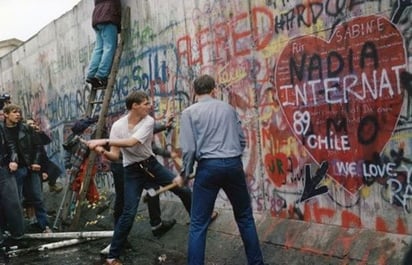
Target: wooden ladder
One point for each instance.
(93, 102)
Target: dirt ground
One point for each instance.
(145, 250)
(223, 246)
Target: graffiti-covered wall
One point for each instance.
(322, 88)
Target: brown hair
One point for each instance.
(11, 107)
(204, 84)
(135, 96)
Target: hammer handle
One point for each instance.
(166, 188)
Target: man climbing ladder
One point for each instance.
(106, 22)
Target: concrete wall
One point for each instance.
(8, 45)
(318, 85)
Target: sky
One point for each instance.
(21, 19)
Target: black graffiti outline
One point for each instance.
(311, 187)
(399, 7)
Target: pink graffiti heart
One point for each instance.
(342, 97)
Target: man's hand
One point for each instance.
(35, 167)
(36, 128)
(169, 120)
(13, 166)
(99, 149)
(174, 155)
(92, 144)
(179, 181)
(44, 176)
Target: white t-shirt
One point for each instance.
(143, 132)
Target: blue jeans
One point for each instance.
(10, 207)
(153, 203)
(211, 176)
(30, 188)
(103, 52)
(135, 180)
(117, 170)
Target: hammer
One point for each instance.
(152, 192)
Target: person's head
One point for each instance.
(32, 123)
(5, 99)
(12, 114)
(138, 101)
(81, 125)
(204, 84)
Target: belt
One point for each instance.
(146, 161)
(221, 158)
(144, 165)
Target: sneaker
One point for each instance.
(106, 250)
(47, 230)
(101, 83)
(55, 188)
(113, 262)
(163, 228)
(92, 81)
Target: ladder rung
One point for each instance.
(96, 102)
(99, 88)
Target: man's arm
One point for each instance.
(188, 144)
(11, 149)
(112, 155)
(242, 137)
(37, 147)
(129, 142)
(159, 127)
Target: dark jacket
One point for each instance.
(107, 11)
(5, 148)
(47, 166)
(44, 140)
(28, 145)
(157, 150)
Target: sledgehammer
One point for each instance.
(152, 192)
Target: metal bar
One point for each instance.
(84, 234)
(48, 246)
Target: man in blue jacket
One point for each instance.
(211, 135)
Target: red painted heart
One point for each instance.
(342, 97)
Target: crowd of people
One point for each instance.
(24, 167)
(214, 142)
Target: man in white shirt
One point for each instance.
(132, 135)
